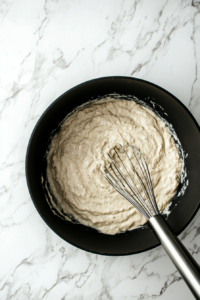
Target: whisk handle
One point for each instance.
(182, 259)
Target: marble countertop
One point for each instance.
(47, 47)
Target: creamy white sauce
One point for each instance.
(75, 185)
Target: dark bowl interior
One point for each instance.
(138, 240)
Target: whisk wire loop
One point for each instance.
(147, 178)
(127, 187)
(135, 191)
(123, 192)
(145, 190)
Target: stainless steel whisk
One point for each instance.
(145, 202)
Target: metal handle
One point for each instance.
(182, 259)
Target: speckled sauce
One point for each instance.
(75, 184)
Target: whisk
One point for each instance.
(145, 202)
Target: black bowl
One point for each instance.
(138, 240)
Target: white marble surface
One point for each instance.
(47, 47)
